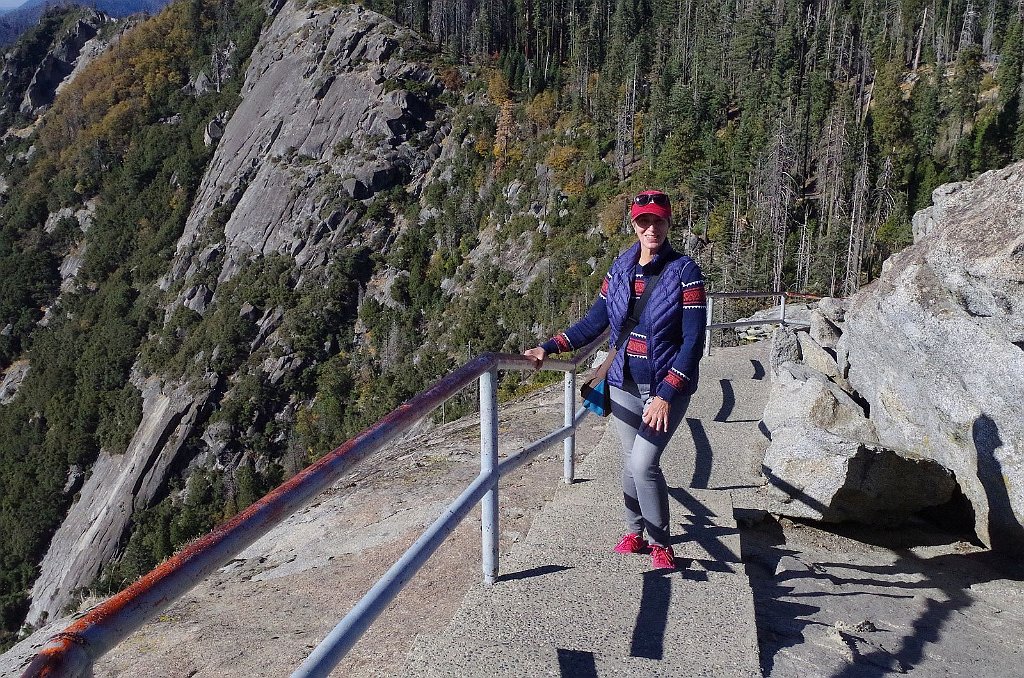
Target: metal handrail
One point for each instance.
(748, 294)
(72, 652)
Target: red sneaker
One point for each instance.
(662, 558)
(632, 543)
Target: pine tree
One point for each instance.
(964, 104)
(890, 124)
(924, 116)
(1008, 75)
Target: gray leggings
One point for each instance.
(644, 491)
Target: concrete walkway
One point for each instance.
(567, 605)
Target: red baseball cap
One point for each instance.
(651, 202)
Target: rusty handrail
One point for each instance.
(73, 651)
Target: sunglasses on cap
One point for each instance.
(647, 198)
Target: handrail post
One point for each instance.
(782, 308)
(710, 321)
(489, 466)
(569, 444)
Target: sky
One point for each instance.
(8, 4)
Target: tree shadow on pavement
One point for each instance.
(780, 622)
(952, 574)
(784, 581)
(704, 530)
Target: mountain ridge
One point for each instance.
(15, 21)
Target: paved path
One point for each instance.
(566, 605)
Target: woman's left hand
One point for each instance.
(656, 414)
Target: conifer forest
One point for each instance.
(797, 138)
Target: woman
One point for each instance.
(655, 370)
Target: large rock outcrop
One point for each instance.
(936, 346)
(826, 459)
(915, 381)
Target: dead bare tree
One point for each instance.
(732, 263)
(988, 35)
(883, 204)
(920, 39)
(832, 188)
(773, 195)
(858, 212)
(579, 55)
(830, 177)
(967, 29)
(803, 256)
(625, 132)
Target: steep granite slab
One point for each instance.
(118, 486)
(320, 125)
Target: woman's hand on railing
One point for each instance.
(536, 355)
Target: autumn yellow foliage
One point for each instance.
(95, 115)
(497, 88)
(566, 162)
(542, 111)
(504, 147)
(613, 215)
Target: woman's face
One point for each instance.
(651, 230)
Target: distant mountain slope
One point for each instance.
(16, 21)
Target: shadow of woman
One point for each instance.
(1004, 530)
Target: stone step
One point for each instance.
(566, 605)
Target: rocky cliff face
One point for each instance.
(324, 120)
(117, 486)
(58, 64)
(333, 112)
(925, 365)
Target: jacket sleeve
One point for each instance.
(694, 316)
(587, 329)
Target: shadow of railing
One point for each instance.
(702, 460)
(728, 400)
(576, 664)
